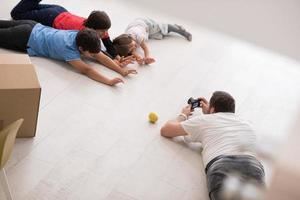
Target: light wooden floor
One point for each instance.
(94, 141)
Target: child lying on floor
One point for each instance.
(39, 40)
(139, 31)
(59, 17)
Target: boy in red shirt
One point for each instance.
(58, 17)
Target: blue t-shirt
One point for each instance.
(45, 41)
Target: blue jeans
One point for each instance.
(218, 169)
(32, 10)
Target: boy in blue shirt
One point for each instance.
(40, 40)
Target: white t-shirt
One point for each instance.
(138, 30)
(220, 134)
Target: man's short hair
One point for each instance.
(222, 102)
(88, 40)
(98, 20)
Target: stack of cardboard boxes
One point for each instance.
(20, 93)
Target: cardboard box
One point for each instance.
(20, 93)
(10, 58)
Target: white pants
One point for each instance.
(156, 30)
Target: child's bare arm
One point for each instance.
(108, 62)
(147, 58)
(138, 58)
(145, 49)
(93, 74)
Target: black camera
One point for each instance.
(194, 103)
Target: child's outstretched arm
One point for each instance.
(147, 59)
(108, 62)
(138, 58)
(93, 74)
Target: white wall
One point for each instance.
(271, 24)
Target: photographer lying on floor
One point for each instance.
(227, 140)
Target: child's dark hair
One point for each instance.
(88, 40)
(97, 20)
(122, 44)
(222, 102)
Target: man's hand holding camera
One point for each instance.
(187, 110)
(204, 105)
(200, 102)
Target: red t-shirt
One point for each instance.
(68, 21)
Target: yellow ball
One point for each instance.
(152, 117)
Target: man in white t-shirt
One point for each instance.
(227, 140)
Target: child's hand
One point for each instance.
(127, 71)
(130, 59)
(148, 60)
(139, 59)
(115, 81)
(124, 61)
(119, 63)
